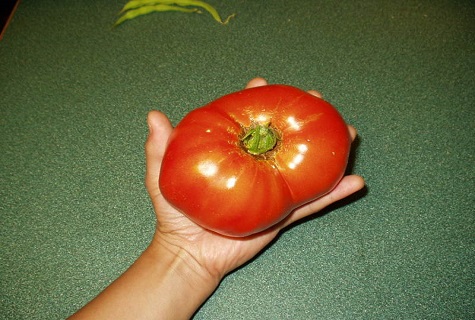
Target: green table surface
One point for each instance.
(74, 95)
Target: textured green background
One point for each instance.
(74, 94)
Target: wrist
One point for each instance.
(182, 267)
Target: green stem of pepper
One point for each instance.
(259, 139)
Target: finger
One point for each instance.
(256, 82)
(160, 129)
(347, 186)
(353, 132)
(315, 93)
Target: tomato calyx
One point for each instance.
(259, 139)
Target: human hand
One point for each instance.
(184, 263)
(211, 255)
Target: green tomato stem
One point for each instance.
(259, 139)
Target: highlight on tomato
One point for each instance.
(245, 161)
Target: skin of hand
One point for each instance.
(185, 263)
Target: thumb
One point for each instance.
(160, 129)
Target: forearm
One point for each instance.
(162, 284)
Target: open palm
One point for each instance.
(216, 253)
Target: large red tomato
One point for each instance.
(243, 162)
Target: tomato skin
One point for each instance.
(207, 174)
